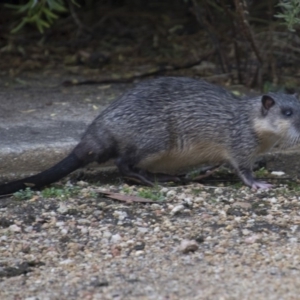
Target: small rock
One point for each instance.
(156, 229)
(142, 229)
(164, 190)
(82, 183)
(220, 250)
(63, 209)
(139, 246)
(83, 221)
(75, 246)
(66, 262)
(245, 205)
(278, 256)
(115, 238)
(188, 201)
(102, 205)
(120, 215)
(187, 246)
(107, 234)
(116, 250)
(218, 191)
(84, 230)
(59, 223)
(171, 193)
(277, 173)
(14, 228)
(177, 209)
(246, 232)
(273, 200)
(97, 213)
(252, 239)
(28, 229)
(64, 231)
(155, 206)
(198, 199)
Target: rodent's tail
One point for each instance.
(58, 171)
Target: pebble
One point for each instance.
(120, 215)
(66, 262)
(252, 239)
(164, 190)
(156, 229)
(246, 232)
(116, 238)
(273, 200)
(62, 209)
(83, 221)
(177, 209)
(277, 173)
(15, 228)
(245, 205)
(107, 234)
(155, 206)
(171, 193)
(188, 246)
(142, 229)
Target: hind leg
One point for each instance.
(161, 177)
(206, 173)
(129, 171)
(142, 176)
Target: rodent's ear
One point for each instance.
(267, 102)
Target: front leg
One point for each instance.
(245, 173)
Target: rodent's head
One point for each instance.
(279, 120)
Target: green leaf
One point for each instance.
(18, 27)
(44, 23)
(58, 7)
(49, 13)
(40, 27)
(34, 3)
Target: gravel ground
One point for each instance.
(193, 242)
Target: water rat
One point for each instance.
(166, 125)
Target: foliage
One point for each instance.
(24, 195)
(151, 193)
(291, 13)
(52, 192)
(41, 13)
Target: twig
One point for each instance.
(241, 8)
(80, 25)
(211, 35)
(271, 44)
(232, 16)
(151, 72)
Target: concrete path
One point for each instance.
(40, 120)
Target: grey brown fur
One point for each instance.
(172, 124)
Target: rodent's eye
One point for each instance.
(287, 112)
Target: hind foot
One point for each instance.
(147, 178)
(206, 173)
(142, 176)
(261, 185)
(247, 177)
